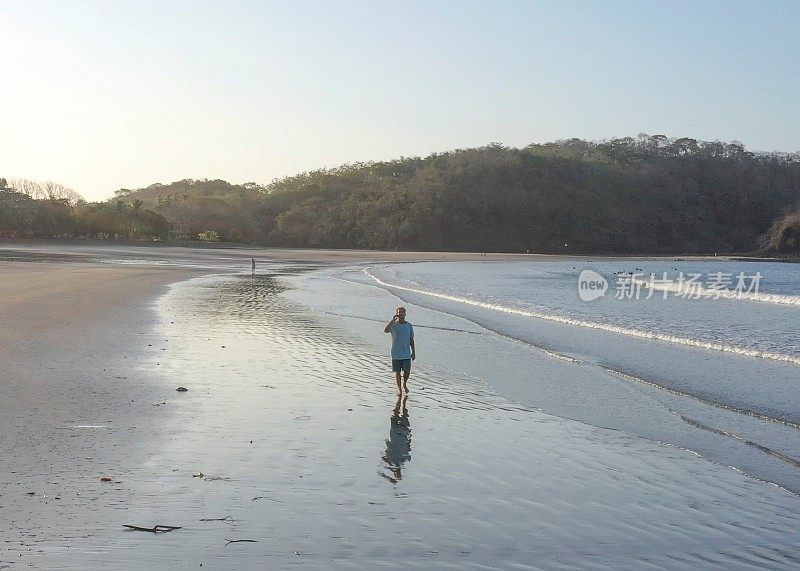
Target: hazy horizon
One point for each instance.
(102, 96)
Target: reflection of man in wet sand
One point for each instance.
(398, 445)
(403, 351)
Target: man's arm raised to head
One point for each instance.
(388, 328)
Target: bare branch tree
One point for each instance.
(47, 190)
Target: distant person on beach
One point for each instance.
(403, 351)
(253, 265)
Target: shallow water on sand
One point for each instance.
(291, 430)
(711, 375)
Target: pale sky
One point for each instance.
(121, 94)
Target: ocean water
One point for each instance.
(708, 363)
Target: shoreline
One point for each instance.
(290, 429)
(553, 367)
(328, 255)
(308, 419)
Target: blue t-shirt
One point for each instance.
(402, 334)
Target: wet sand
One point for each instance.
(73, 406)
(291, 437)
(243, 254)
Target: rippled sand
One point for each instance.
(304, 447)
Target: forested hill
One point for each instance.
(623, 196)
(645, 195)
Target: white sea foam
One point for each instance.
(679, 288)
(617, 329)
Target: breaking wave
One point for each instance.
(589, 324)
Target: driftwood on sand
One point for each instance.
(154, 529)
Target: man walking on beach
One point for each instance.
(403, 351)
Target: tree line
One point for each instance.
(30, 209)
(649, 194)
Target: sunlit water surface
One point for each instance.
(292, 420)
(717, 375)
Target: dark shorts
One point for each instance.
(401, 365)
